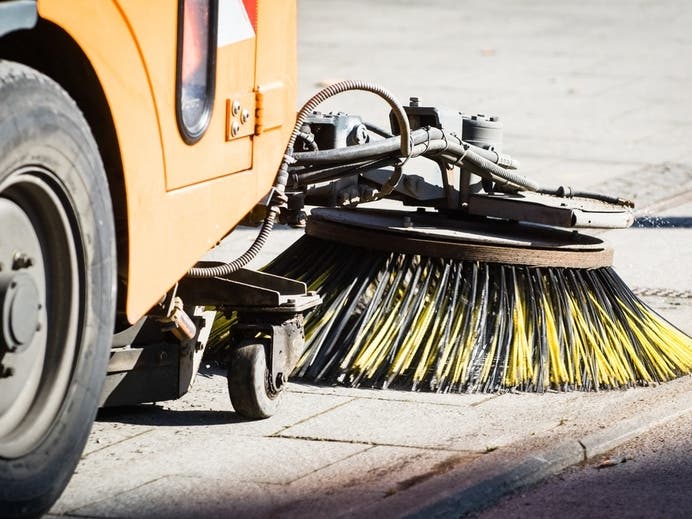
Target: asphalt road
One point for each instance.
(647, 477)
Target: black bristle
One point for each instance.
(421, 323)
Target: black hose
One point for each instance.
(304, 178)
(378, 130)
(425, 141)
(568, 192)
(461, 152)
(499, 174)
(366, 151)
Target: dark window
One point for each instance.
(196, 63)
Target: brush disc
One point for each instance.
(436, 235)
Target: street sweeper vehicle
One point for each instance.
(134, 136)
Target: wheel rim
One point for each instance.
(42, 272)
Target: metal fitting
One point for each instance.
(359, 135)
(179, 323)
(21, 261)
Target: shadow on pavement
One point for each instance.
(158, 415)
(663, 222)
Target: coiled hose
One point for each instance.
(277, 196)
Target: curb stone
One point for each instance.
(441, 503)
(531, 470)
(606, 440)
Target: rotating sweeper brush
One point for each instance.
(485, 286)
(471, 307)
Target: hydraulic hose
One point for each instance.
(277, 196)
(427, 136)
(309, 140)
(425, 142)
(568, 192)
(498, 173)
(378, 130)
(350, 153)
(304, 178)
(345, 86)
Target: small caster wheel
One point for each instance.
(248, 382)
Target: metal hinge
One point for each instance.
(269, 106)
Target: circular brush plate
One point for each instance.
(437, 235)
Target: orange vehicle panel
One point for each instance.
(213, 155)
(182, 199)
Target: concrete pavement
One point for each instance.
(336, 452)
(591, 93)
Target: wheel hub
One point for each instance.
(19, 311)
(22, 345)
(38, 307)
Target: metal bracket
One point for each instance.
(551, 210)
(266, 305)
(269, 103)
(240, 116)
(249, 290)
(286, 343)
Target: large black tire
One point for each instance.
(57, 294)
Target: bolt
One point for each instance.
(414, 101)
(299, 219)
(163, 356)
(407, 222)
(280, 380)
(235, 128)
(359, 135)
(236, 107)
(21, 261)
(244, 116)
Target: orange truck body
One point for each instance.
(158, 125)
(180, 198)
